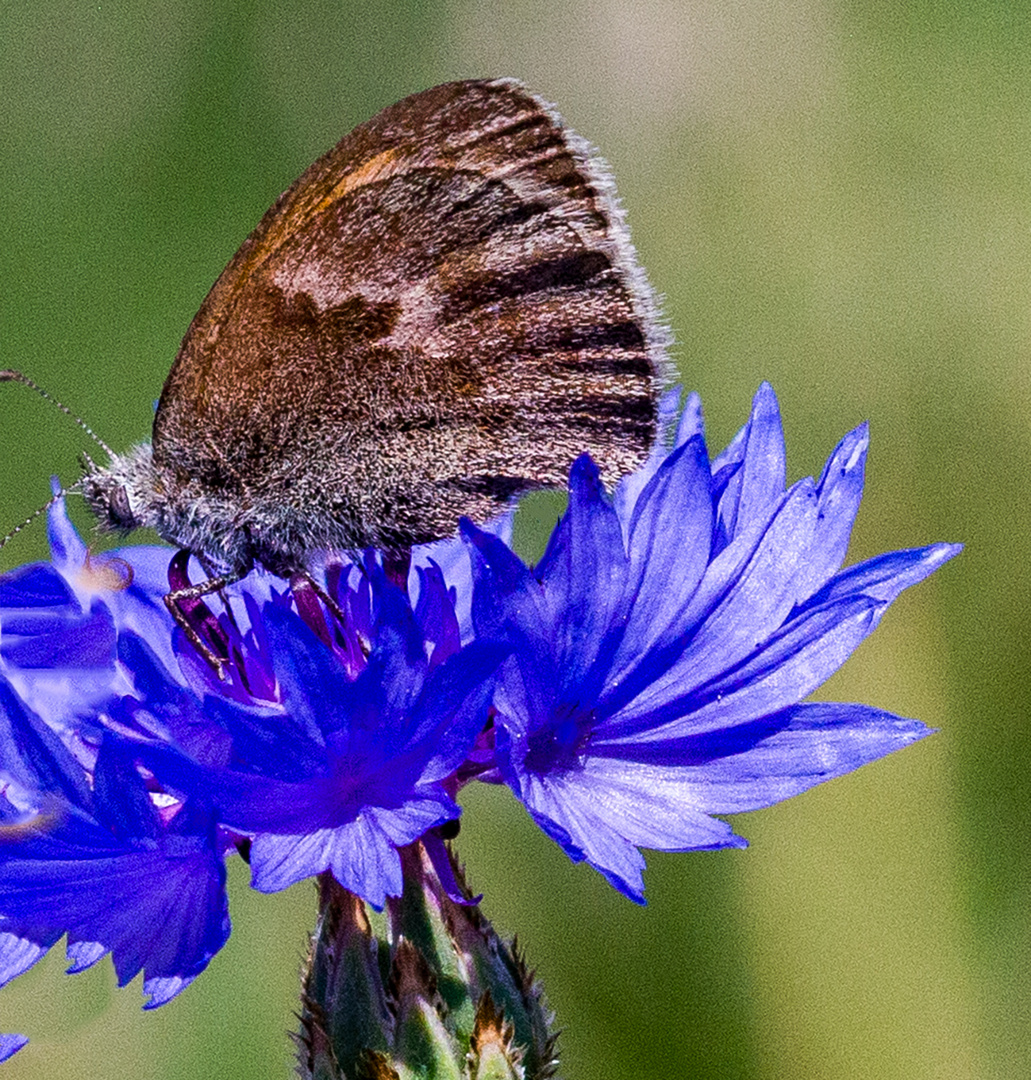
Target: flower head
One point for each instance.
(647, 673)
(340, 769)
(90, 854)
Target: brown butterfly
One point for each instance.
(443, 312)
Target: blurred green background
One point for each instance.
(832, 196)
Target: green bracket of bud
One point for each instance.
(425, 989)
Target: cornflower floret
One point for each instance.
(91, 853)
(662, 646)
(343, 769)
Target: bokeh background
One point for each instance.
(833, 196)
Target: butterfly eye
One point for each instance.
(119, 509)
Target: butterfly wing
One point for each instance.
(442, 312)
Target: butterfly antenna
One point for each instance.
(17, 376)
(37, 513)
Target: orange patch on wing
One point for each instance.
(381, 167)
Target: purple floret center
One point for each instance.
(560, 744)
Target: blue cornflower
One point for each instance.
(664, 642)
(646, 674)
(85, 848)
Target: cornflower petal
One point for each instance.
(758, 466)
(674, 426)
(754, 765)
(606, 810)
(10, 1045)
(129, 587)
(450, 558)
(582, 571)
(677, 502)
(839, 492)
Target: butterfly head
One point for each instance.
(121, 494)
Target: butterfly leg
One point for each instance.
(183, 601)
